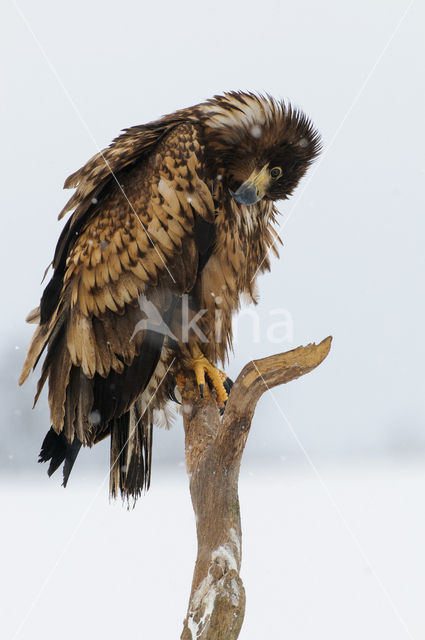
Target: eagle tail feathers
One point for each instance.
(131, 453)
(57, 449)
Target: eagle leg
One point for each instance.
(203, 368)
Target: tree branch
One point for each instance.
(214, 450)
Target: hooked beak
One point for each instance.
(253, 189)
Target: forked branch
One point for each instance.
(214, 448)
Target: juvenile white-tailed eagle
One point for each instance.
(176, 215)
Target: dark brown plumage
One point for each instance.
(177, 214)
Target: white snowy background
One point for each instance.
(333, 479)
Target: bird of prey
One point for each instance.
(171, 225)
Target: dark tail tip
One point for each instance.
(57, 449)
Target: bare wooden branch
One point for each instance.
(214, 448)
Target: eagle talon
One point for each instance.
(205, 371)
(228, 384)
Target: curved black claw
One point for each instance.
(227, 384)
(173, 394)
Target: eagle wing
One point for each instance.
(140, 230)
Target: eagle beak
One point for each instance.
(253, 189)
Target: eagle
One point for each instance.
(170, 227)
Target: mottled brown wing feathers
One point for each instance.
(146, 241)
(128, 147)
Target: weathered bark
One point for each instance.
(214, 448)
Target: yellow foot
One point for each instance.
(203, 367)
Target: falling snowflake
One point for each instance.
(256, 131)
(95, 418)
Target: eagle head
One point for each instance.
(261, 147)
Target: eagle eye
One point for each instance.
(276, 172)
